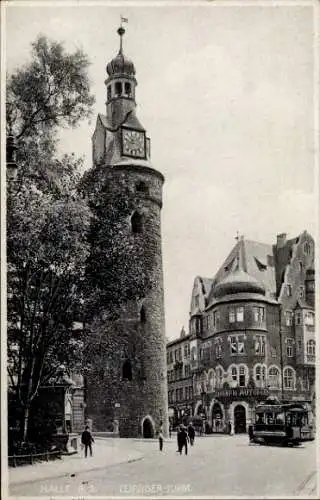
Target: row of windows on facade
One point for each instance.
(238, 376)
(237, 346)
(180, 373)
(119, 89)
(299, 318)
(176, 355)
(180, 394)
(237, 315)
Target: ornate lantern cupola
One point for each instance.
(121, 84)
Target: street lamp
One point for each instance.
(116, 418)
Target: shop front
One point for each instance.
(228, 410)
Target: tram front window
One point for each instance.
(259, 418)
(269, 418)
(280, 419)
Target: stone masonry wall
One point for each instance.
(137, 337)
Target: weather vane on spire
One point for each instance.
(121, 31)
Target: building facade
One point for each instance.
(252, 331)
(133, 390)
(180, 391)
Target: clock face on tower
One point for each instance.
(133, 143)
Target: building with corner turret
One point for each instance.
(133, 393)
(252, 332)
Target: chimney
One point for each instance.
(281, 239)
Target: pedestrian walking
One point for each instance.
(160, 437)
(87, 440)
(182, 440)
(191, 433)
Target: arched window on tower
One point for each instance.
(118, 88)
(127, 89)
(136, 223)
(143, 316)
(127, 370)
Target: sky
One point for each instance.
(226, 93)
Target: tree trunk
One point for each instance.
(26, 414)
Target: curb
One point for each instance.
(99, 467)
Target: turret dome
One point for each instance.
(121, 65)
(238, 282)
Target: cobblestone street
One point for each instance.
(215, 466)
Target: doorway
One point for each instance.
(217, 422)
(147, 428)
(240, 423)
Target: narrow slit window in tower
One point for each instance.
(143, 316)
(127, 370)
(109, 92)
(136, 223)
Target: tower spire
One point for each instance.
(121, 31)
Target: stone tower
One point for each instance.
(134, 393)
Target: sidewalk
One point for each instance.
(106, 452)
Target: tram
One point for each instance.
(286, 424)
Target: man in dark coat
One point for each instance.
(87, 440)
(182, 440)
(191, 433)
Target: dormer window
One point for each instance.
(289, 290)
(260, 265)
(307, 248)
